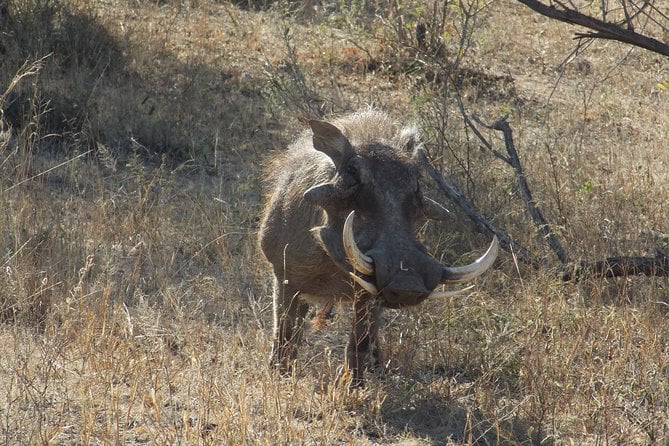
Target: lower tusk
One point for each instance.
(367, 286)
(447, 294)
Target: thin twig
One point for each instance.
(479, 135)
(48, 170)
(502, 124)
(455, 193)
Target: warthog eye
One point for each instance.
(352, 170)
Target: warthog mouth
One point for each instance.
(364, 269)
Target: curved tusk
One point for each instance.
(367, 286)
(447, 294)
(358, 260)
(460, 274)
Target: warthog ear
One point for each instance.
(409, 140)
(330, 140)
(433, 210)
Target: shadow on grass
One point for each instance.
(442, 419)
(99, 87)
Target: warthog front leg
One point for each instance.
(289, 313)
(363, 350)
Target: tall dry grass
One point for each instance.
(134, 306)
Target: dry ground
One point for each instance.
(134, 305)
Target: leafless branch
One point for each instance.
(455, 193)
(501, 124)
(657, 265)
(478, 134)
(600, 29)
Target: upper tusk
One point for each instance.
(367, 286)
(447, 294)
(459, 274)
(358, 260)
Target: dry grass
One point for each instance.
(134, 308)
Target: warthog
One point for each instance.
(340, 224)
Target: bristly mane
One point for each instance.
(364, 128)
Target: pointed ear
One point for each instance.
(409, 140)
(330, 140)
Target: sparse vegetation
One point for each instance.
(134, 307)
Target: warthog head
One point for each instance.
(340, 224)
(375, 193)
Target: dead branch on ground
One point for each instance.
(657, 265)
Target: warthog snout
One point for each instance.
(382, 272)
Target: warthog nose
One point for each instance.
(404, 290)
(400, 298)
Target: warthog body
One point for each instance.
(340, 224)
